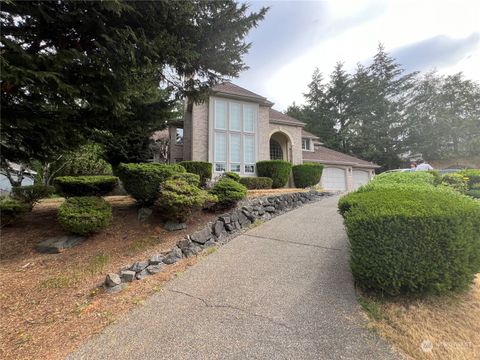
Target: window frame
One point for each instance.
(309, 142)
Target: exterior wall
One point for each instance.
(176, 151)
(187, 136)
(263, 133)
(199, 140)
(294, 133)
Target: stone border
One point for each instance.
(219, 232)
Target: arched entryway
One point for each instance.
(280, 147)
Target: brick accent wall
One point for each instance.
(199, 141)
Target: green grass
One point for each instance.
(371, 307)
(97, 263)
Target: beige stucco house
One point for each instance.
(235, 128)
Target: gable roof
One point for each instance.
(308, 134)
(332, 157)
(228, 88)
(278, 117)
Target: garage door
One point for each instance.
(360, 178)
(334, 179)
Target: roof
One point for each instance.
(332, 157)
(229, 88)
(307, 134)
(277, 116)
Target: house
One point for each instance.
(235, 128)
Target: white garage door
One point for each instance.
(334, 179)
(360, 177)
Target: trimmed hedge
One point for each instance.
(232, 175)
(307, 174)
(11, 210)
(191, 179)
(93, 185)
(31, 194)
(473, 176)
(412, 239)
(456, 181)
(475, 193)
(201, 168)
(277, 170)
(255, 183)
(142, 181)
(84, 215)
(406, 178)
(180, 197)
(228, 192)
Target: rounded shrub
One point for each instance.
(180, 197)
(192, 179)
(93, 185)
(474, 193)
(307, 174)
(201, 168)
(228, 192)
(11, 210)
(473, 176)
(457, 182)
(142, 181)
(31, 194)
(412, 240)
(277, 170)
(84, 215)
(256, 183)
(231, 175)
(407, 178)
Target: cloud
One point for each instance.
(436, 52)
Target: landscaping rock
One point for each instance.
(173, 256)
(225, 218)
(202, 236)
(143, 214)
(210, 243)
(155, 269)
(139, 266)
(142, 274)
(56, 244)
(174, 226)
(156, 259)
(230, 227)
(270, 209)
(127, 275)
(218, 228)
(116, 288)
(112, 280)
(242, 219)
(249, 214)
(188, 247)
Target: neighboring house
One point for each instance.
(235, 128)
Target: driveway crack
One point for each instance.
(294, 242)
(226, 306)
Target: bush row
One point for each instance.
(256, 183)
(412, 239)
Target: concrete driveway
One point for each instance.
(280, 291)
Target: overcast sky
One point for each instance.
(297, 36)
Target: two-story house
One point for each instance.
(235, 128)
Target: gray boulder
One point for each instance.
(56, 244)
(155, 269)
(127, 275)
(112, 280)
(142, 274)
(174, 226)
(156, 259)
(143, 214)
(173, 256)
(218, 228)
(139, 266)
(202, 236)
(116, 288)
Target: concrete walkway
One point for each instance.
(280, 291)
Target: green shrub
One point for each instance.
(255, 183)
(458, 182)
(307, 174)
(475, 193)
(437, 177)
(142, 181)
(228, 192)
(94, 185)
(414, 239)
(11, 210)
(473, 176)
(192, 179)
(31, 194)
(231, 175)
(201, 168)
(86, 160)
(277, 170)
(84, 215)
(179, 198)
(407, 178)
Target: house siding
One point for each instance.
(199, 141)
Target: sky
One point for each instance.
(297, 36)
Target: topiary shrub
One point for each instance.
(31, 194)
(457, 182)
(179, 197)
(192, 179)
(11, 210)
(407, 178)
(473, 176)
(277, 170)
(256, 183)
(201, 168)
(228, 192)
(412, 240)
(437, 178)
(142, 181)
(232, 175)
(307, 174)
(84, 215)
(94, 185)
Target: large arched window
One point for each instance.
(276, 152)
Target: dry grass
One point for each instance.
(433, 328)
(50, 303)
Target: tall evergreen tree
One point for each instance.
(72, 67)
